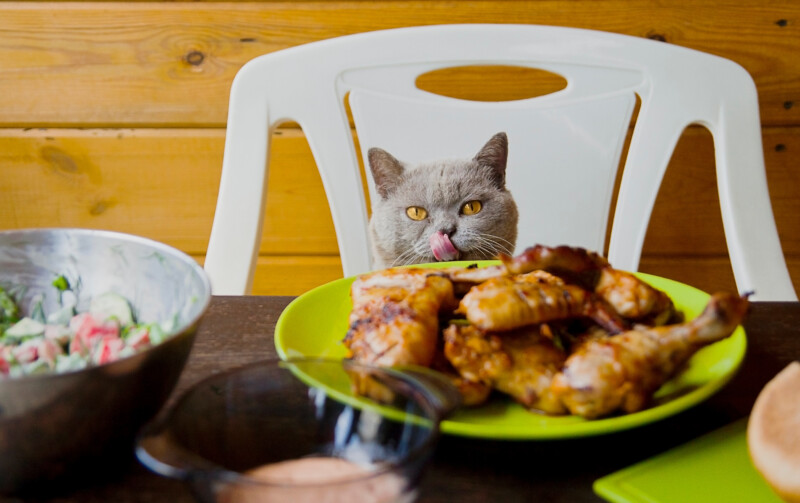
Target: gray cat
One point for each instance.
(442, 210)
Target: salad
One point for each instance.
(66, 340)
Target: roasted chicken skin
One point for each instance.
(472, 392)
(510, 302)
(395, 316)
(577, 265)
(622, 372)
(603, 375)
(395, 321)
(521, 364)
(630, 297)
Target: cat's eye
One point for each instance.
(471, 207)
(416, 213)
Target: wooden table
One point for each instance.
(239, 330)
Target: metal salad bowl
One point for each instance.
(67, 426)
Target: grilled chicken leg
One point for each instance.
(623, 371)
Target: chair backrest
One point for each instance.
(564, 147)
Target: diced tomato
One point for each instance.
(139, 338)
(48, 351)
(108, 349)
(57, 333)
(26, 352)
(88, 331)
(4, 365)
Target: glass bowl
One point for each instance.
(292, 431)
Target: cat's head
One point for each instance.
(442, 210)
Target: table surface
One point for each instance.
(239, 330)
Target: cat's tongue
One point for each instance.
(442, 248)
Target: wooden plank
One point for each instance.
(294, 275)
(162, 183)
(159, 183)
(142, 182)
(687, 219)
(291, 275)
(171, 64)
(710, 274)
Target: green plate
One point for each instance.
(714, 468)
(314, 324)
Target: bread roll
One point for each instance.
(773, 433)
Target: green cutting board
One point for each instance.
(714, 468)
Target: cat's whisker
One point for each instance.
(408, 257)
(491, 245)
(498, 240)
(404, 259)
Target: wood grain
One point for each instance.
(129, 179)
(171, 64)
(160, 183)
(293, 275)
(112, 115)
(236, 331)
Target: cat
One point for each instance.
(442, 210)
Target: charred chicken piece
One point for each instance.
(506, 303)
(630, 297)
(576, 265)
(472, 392)
(464, 278)
(395, 319)
(521, 364)
(623, 371)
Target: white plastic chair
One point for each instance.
(564, 147)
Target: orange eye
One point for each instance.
(471, 207)
(416, 213)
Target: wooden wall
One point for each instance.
(112, 115)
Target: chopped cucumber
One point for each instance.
(26, 327)
(62, 315)
(74, 361)
(36, 367)
(111, 306)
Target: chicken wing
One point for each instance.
(629, 296)
(395, 316)
(506, 303)
(395, 319)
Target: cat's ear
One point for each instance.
(386, 170)
(494, 155)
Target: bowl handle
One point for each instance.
(157, 450)
(437, 388)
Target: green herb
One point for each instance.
(9, 311)
(61, 283)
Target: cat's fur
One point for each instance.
(442, 188)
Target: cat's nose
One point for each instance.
(449, 230)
